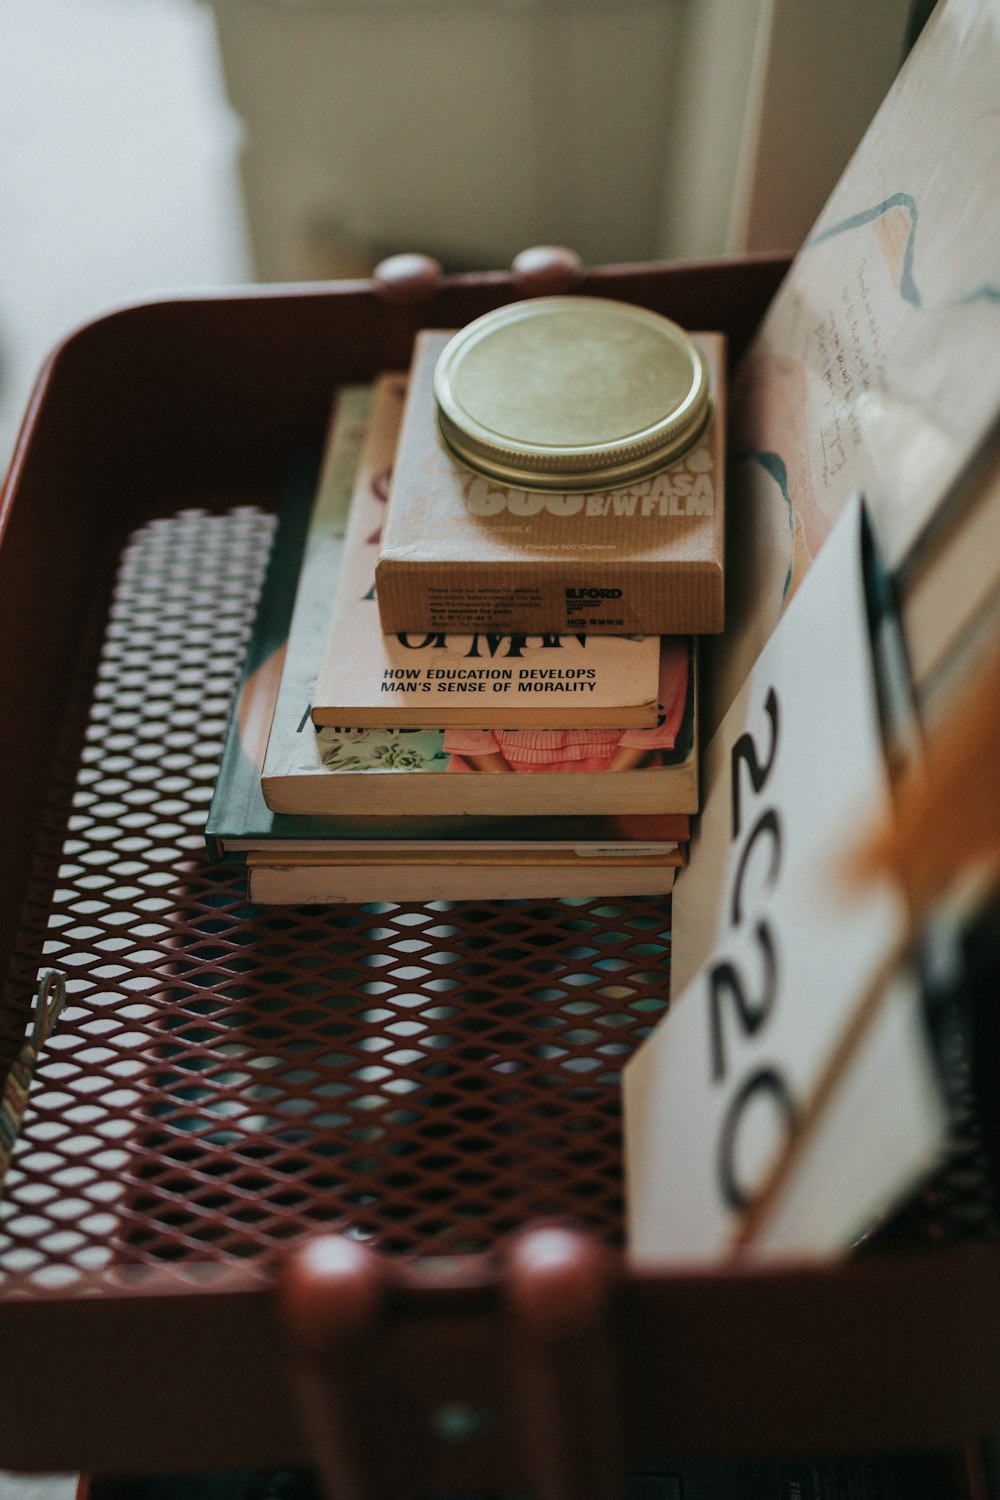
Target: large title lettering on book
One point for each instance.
(434, 679)
(535, 674)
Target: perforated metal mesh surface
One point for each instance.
(224, 1077)
(425, 1077)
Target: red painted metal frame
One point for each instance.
(535, 1357)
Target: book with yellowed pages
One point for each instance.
(503, 772)
(441, 875)
(434, 679)
(949, 593)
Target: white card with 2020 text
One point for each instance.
(794, 776)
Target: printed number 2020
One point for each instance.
(749, 1000)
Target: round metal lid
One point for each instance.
(571, 393)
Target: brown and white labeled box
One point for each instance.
(461, 551)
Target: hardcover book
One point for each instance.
(463, 552)
(434, 679)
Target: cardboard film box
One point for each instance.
(462, 552)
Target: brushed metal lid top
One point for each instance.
(571, 393)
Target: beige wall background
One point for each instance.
(150, 146)
(629, 129)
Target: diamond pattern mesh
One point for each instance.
(424, 1077)
(224, 1077)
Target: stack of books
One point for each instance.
(362, 766)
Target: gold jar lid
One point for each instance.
(571, 393)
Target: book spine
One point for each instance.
(236, 799)
(317, 884)
(432, 854)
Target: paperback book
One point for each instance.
(439, 877)
(521, 772)
(240, 823)
(875, 366)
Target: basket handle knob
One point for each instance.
(547, 270)
(407, 279)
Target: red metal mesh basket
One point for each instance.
(423, 1080)
(225, 1077)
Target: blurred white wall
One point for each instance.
(118, 170)
(468, 129)
(774, 97)
(628, 129)
(153, 145)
